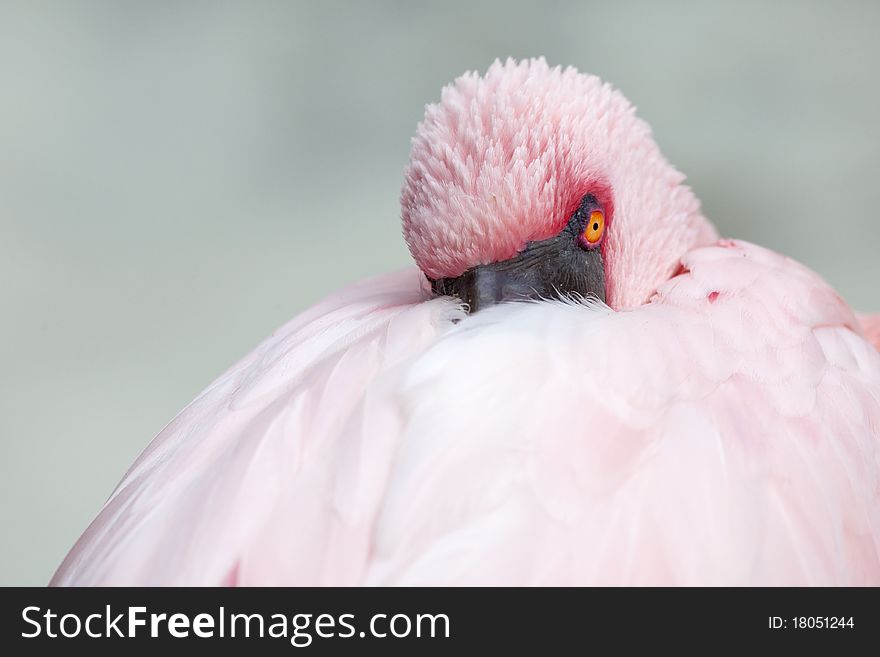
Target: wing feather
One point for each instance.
(239, 487)
(724, 433)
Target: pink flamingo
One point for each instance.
(717, 422)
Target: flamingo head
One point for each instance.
(538, 182)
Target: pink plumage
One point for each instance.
(505, 158)
(717, 422)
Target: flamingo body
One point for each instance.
(724, 433)
(717, 423)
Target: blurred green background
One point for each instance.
(179, 178)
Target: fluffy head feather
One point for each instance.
(504, 159)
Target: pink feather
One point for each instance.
(871, 327)
(688, 441)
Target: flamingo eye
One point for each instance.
(595, 227)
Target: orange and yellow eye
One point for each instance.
(595, 227)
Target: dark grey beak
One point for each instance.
(558, 267)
